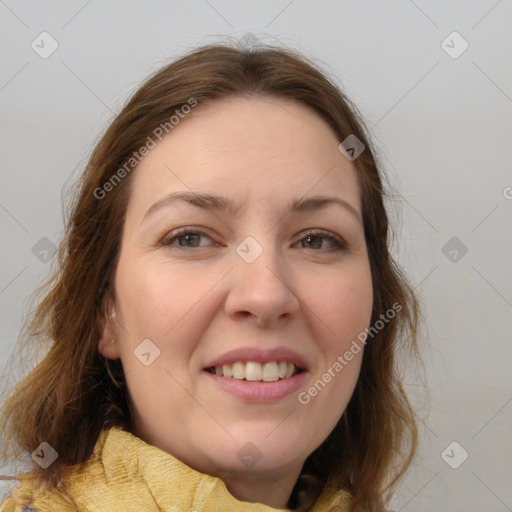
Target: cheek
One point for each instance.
(156, 302)
(341, 313)
(161, 302)
(145, 300)
(342, 304)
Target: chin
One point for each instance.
(251, 463)
(257, 451)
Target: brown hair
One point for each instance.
(74, 393)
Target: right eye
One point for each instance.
(187, 238)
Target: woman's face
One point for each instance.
(256, 277)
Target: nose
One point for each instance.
(262, 291)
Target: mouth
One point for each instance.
(255, 382)
(254, 371)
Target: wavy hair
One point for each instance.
(73, 393)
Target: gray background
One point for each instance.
(443, 126)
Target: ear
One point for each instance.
(107, 328)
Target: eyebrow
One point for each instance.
(219, 203)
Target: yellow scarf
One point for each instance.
(126, 474)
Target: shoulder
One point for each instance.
(22, 494)
(333, 499)
(13, 503)
(27, 498)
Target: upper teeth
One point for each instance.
(251, 370)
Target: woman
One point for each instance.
(225, 318)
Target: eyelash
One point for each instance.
(339, 245)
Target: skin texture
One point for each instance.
(200, 299)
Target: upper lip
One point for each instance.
(261, 356)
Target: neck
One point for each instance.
(271, 488)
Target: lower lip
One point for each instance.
(258, 391)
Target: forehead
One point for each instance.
(262, 148)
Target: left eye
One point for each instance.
(188, 238)
(338, 243)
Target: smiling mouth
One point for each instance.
(253, 371)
